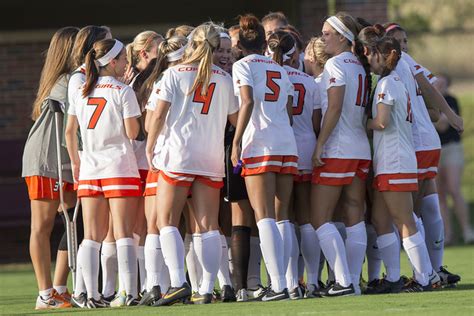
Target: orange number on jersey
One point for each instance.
(204, 99)
(99, 103)
(363, 87)
(410, 113)
(273, 86)
(301, 95)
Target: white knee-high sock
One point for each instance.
(154, 260)
(333, 247)
(356, 246)
(292, 269)
(208, 249)
(419, 225)
(165, 281)
(173, 252)
(108, 259)
(90, 266)
(284, 227)
(271, 244)
(224, 274)
(255, 260)
(193, 267)
(374, 259)
(79, 286)
(434, 229)
(415, 248)
(311, 252)
(390, 252)
(128, 265)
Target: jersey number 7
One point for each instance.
(99, 103)
(204, 99)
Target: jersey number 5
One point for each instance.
(301, 95)
(273, 86)
(99, 103)
(204, 99)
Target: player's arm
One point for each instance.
(245, 112)
(157, 121)
(132, 127)
(70, 135)
(382, 120)
(149, 114)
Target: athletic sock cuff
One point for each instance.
(413, 241)
(264, 222)
(168, 230)
(211, 234)
(244, 229)
(91, 243)
(126, 242)
(355, 228)
(386, 240)
(307, 227)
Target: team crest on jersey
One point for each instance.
(381, 96)
(158, 91)
(332, 80)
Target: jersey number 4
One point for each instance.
(204, 99)
(99, 103)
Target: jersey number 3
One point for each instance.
(204, 99)
(99, 103)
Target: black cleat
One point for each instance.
(174, 295)
(271, 295)
(92, 303)
(257, 293)
(338, 290)
(131, 301)
(108, 299)
(227, 294)
(149, 298)
(448, 279)
(385, 287)
(79, 301)
(197, 298)
(414, 287)
(296, 293)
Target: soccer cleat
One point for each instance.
(271, 296)
(174, 295)
(435, 280)
(413, 287)
(79, 301)
(321, 284)
(257, 293)
(448, 279)
(295, 294)
(227, 294)
(151, 296)
(242, 295)
(338, 290)
(108, 299)
(312, 291)
(52, 302)
(197, 298)
(92, 303)
(131, 301)
(120, 300)
(385, 287)
(66, 296)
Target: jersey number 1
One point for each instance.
(363, 88)
(204, 99)
(99, 103)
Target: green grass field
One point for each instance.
(18, 294)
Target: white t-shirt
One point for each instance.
(107, 151)
(269, 131)
(194, 135)
(306, 99)
(348, 139)
(393, 146)
(425, 136)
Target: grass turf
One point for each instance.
(18, 294)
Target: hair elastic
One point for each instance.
(392, 27)
(286, 56)
(176, 55)
(111, 54)
(340, 28)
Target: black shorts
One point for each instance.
(234, 184)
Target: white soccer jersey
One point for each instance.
(107, 151)
(417, 68)
(269, 131)
(139, 147)
(194, 135)
(393, 146)
(425, 136)
(348, 139)
(306, 99)
(75, 83)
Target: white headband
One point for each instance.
(340, 28)
(224, 35)
(111, 54)
(176, 55)
(286, 56)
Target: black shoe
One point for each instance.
(257, 293)
(448, 279)
(92, 303)
(338, 290)
(385, 287)
(108, 299)
(149, 298)
(321, 284)
(295, 294)
(312, 291)
(271, 295)
(131, 301)
(373, 284)
(79, 301)
(413, 287)
(227, 294)
(174, 295)
(197, 298)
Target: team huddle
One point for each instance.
(196, 154)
